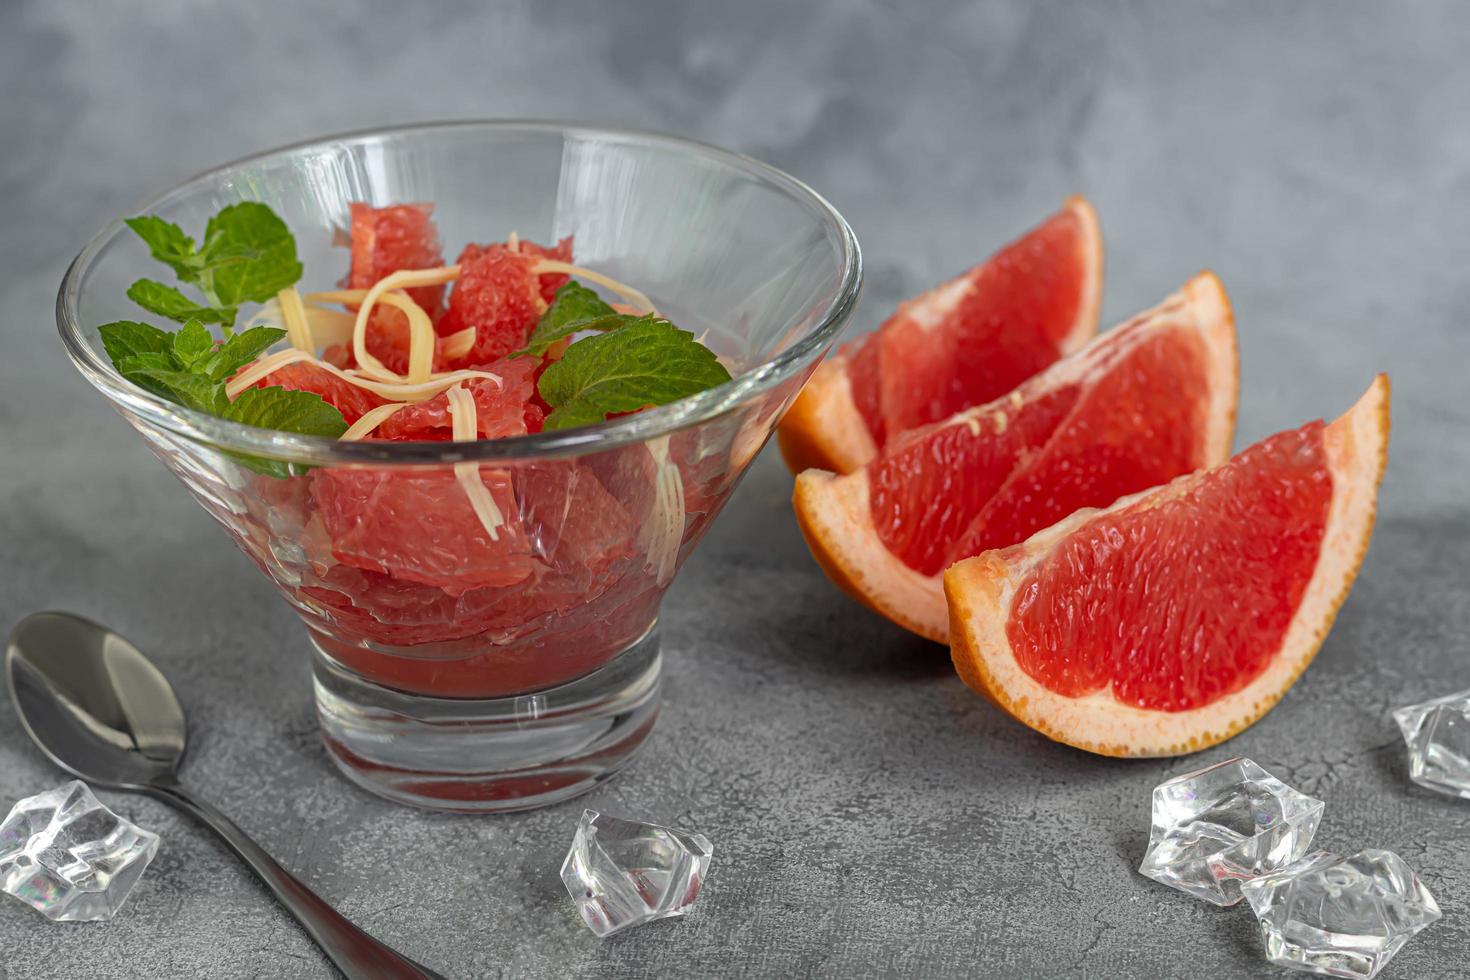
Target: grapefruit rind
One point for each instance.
(831, 509)
(980, 591)
(1090, 307)
(835, 515)
(1209, 305)
(824, 429)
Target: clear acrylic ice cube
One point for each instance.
(69, 857)
(622, 873)
(1216, 827)
(1438, 736)
(1341, 918)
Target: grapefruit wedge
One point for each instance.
(1140, 405)
(963, 343)
(1177, 617)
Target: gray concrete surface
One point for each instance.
(870, 817)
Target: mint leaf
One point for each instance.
(191, 343)
(303, 412)
(574, 301)
(140, 368)
(196, 391)
(167, 301)
(124, 338)
(166, 241)
(159, 361)
(278, 468)
(575, 308)
(240, 350)
(248, 254)
(248, 229)
(647, 362)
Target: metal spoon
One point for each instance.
(101, 710)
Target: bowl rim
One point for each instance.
(646, 425)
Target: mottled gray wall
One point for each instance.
(870, 817)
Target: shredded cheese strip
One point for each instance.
(399, 391)
(513, 242)
(467, 429)
(644, 304)
(663, 532)
(327, 327)
(389, 284)
(420, 334)
(416, 392)
(371, 419)
(269, 364)
(458, 344)
(293, 315)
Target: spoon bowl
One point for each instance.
(93, 702)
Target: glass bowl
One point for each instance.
(450, 670)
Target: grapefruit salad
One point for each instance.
(454, 578)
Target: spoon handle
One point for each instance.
(358, 955)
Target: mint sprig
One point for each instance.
(573, 309)
(187, 366)
(248, 255)
(647, 361)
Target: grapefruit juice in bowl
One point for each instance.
(472, 472)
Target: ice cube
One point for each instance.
(1438, 736)
(622, 873)
(1342, 918)
(69, 857)
(1216, 827)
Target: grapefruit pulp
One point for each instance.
(383, 241)
(1140, 405)
(961, 344)
(499, 295)
(387, 240)
(1177, 617)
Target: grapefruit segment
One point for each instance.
(961, 344)
(499, 295)
(418, 526)
(1140, 405)
(1177, 617)
(390, 239)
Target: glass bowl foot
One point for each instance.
(489, 755)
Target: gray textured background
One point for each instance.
(870, 817)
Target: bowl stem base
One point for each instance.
(494, 754)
